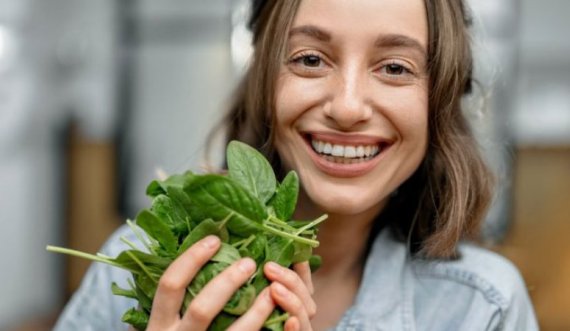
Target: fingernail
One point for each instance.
(210, 241)
(274, 268)
(246, 265)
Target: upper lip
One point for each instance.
(348, 138)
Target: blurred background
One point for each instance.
(96, 95)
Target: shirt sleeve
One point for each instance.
(519, 315)
(93, 307)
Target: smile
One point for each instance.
(345, 156)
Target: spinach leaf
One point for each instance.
(240, 302)
(222, 322)
(251, 170)
(285, 199)
(219, 196)
(171, 214)
(123, 292)
(205, 228)
(255, 249)
(157, 187)
(248, 210)
(158, 230)
(226, 254)
(137, 318)
(280, 250)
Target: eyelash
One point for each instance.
(304, 55)
(297, 60)
(406, 70)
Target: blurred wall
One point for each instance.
(55, 64)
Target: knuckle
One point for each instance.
(169, 283)
(296, 305)
(312, 310)
(235, 275)
(198, 312)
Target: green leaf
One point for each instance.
(226, 254)
(276, 320)
(222, 322)
(251, 170)
(137, 318)
(285, 199)
(145, 291)
(171, 213)
(256, 249)
(123, 292)
(202, 230)
(240, 302)
(207, 273)
(157, 187)
(302, 252)
(158, 230)
(219, 196)
(315, 262)
(280, 250)
(152, 263)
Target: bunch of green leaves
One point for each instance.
(248, 209)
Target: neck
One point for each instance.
(343, 240)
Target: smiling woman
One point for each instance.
(362, 99)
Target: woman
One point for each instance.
(363, 99)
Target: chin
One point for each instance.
(348, 204)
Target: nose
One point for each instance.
(349, 105)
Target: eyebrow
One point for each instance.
(388, 40)
(311, 31)
(398, 40)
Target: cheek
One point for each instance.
(408, 113)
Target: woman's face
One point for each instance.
(352, 100)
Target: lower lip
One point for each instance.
(344, 170)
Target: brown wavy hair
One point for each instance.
(446, 199)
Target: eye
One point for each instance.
(311, 60)
(395, 69)
(308, 60)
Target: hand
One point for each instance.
(165, 315)
(292, 291)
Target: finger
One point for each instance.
(304, 271)
(173, 282)
(292, 324)
(257, 314)
(293, 282)
(213, 297)
(290, 303)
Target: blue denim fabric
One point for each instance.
(479, 291)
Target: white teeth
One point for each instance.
(327, 149)
(349, 152)
(338, 150)
(360, 151)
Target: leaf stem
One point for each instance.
(129, 243)
(143, 267)
(312, 224)
(278, 319)
(138, 234)
(83, 255)
(310, 242)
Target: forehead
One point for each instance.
(365, 19)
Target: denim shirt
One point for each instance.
(479, 291)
